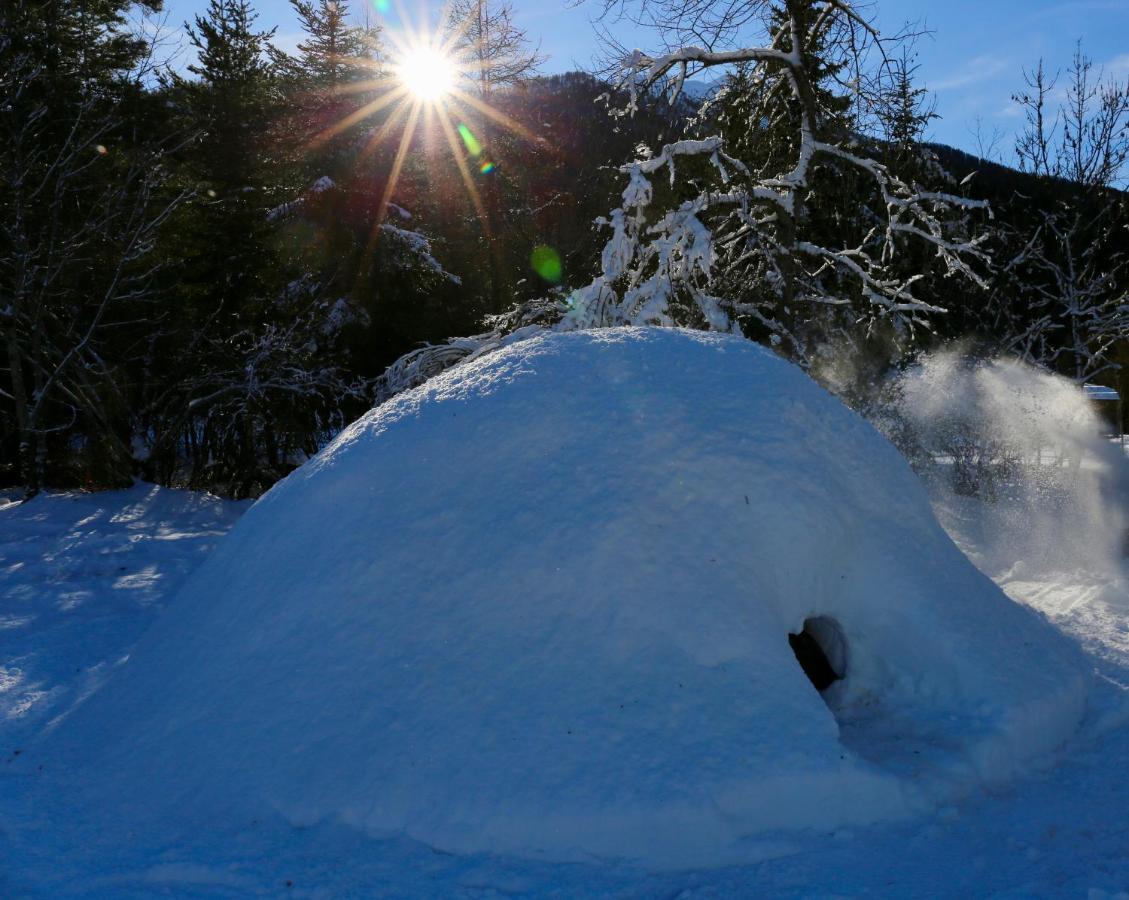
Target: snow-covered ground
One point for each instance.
(1063, 832)
(83, 576)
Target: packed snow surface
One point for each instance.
(81, 577)
(541, 606)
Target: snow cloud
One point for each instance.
(1022, 452)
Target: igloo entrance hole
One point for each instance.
(821, 650)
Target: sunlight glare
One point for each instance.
(427, 73)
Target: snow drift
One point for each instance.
(542, 605)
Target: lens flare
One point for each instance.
(473, 147)
(546, 262)
(427, 73)
(486, 168)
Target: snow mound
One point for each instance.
(542, 605)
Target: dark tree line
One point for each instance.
(204, 274)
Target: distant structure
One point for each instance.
(1106, 403)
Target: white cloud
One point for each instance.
(1118, 67)
(975, 71)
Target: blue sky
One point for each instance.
(973, 60)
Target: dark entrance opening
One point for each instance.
(821, 650)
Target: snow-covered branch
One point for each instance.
(750, 225)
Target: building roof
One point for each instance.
(1099, 392)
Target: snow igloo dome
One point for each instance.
(640, 593)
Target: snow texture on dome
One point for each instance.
(541, 605)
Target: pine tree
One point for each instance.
(906, 113)
(232, 97)
(231, 102)
(761, 113)
(333, 51)
(333, 55)
(764, 115)
(760, 118)
(229, 272)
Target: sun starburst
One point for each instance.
(427, 72)
(429, 85)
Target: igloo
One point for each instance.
(557, 602)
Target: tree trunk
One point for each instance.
(490, 200)
(38, 476)
(25, 462)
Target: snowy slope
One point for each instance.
(541, 605)
(81, 577)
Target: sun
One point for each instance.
(429, 88)
(427, 72)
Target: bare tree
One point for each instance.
(491, 49)
(492, 53)
(987, 143)
(1068, 271)
(240, 420)
(1086, 140)
(1070, 282)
